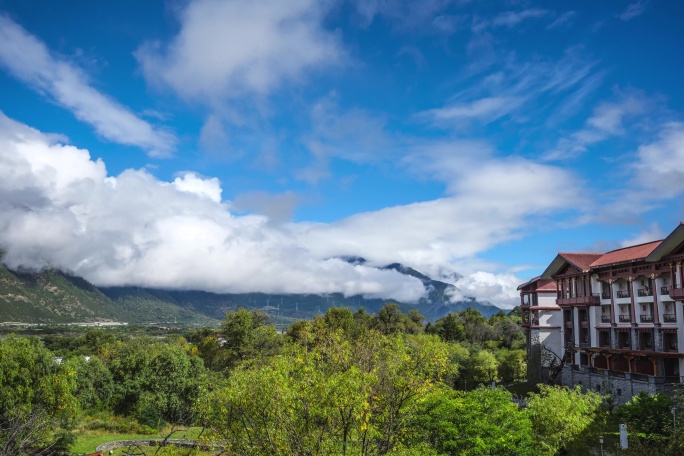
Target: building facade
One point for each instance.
(618, 321)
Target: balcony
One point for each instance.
(676, 293)
(623, 294)
(593, 299)
(670, 318)
(646, 318)
(605, 295)
(641, 292)
(625, 318)
(664, 290)
(605, 318)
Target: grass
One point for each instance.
(87, 441)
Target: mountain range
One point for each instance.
(52, 296)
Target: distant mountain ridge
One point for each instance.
(52, 296)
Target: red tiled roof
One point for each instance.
(546, 285)
(582, 260)
(636, 252)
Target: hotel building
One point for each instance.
(615, 319)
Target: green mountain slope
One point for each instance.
(156, 306)
(53, 297)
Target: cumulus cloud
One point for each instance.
(662, 161)
(59, 208)
(30, 61)
(232, 48)
(488, 287)
(490, 200)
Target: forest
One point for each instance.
(344, 383)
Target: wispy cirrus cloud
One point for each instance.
(606, 121)
(518, 86)
(633, 10)
(29, 60)
(508, 19)
(563, 20)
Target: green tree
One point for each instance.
(480, 422)
(247, 334)
(559, 415)
(37, 405)
(94, 382)
(483, 366)
(512, 365)
(154, 382)
(449, 328)
(650, 414)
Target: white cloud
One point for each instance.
(491, 200)
(509, 19)
(498, 288)
(652, 233)
(606, 121)
(192, 183)
(515, 89)
(59, 208)
(564, 20)
(232, 48)
(485, 109)
(29, 60)
(659, 168)
(633, 10)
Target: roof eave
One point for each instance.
(671, 242)
(554, 267)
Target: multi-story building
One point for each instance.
(542, 321)
(620, 328)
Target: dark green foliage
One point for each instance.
(36, 398)
(94, 382)
(650, 414)
(151, 379)
(248, 334)
(481, 422)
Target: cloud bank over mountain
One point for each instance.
(60, 208)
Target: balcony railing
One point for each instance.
(625, 318)
(605, 295)
(590, 299)
(676, 292)
(645, 292)
(664, 290)
(605, 318)
(670, 318)
(646, 318)
(623, 294)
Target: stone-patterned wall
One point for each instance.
(621, 389)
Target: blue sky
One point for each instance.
(245, 145)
